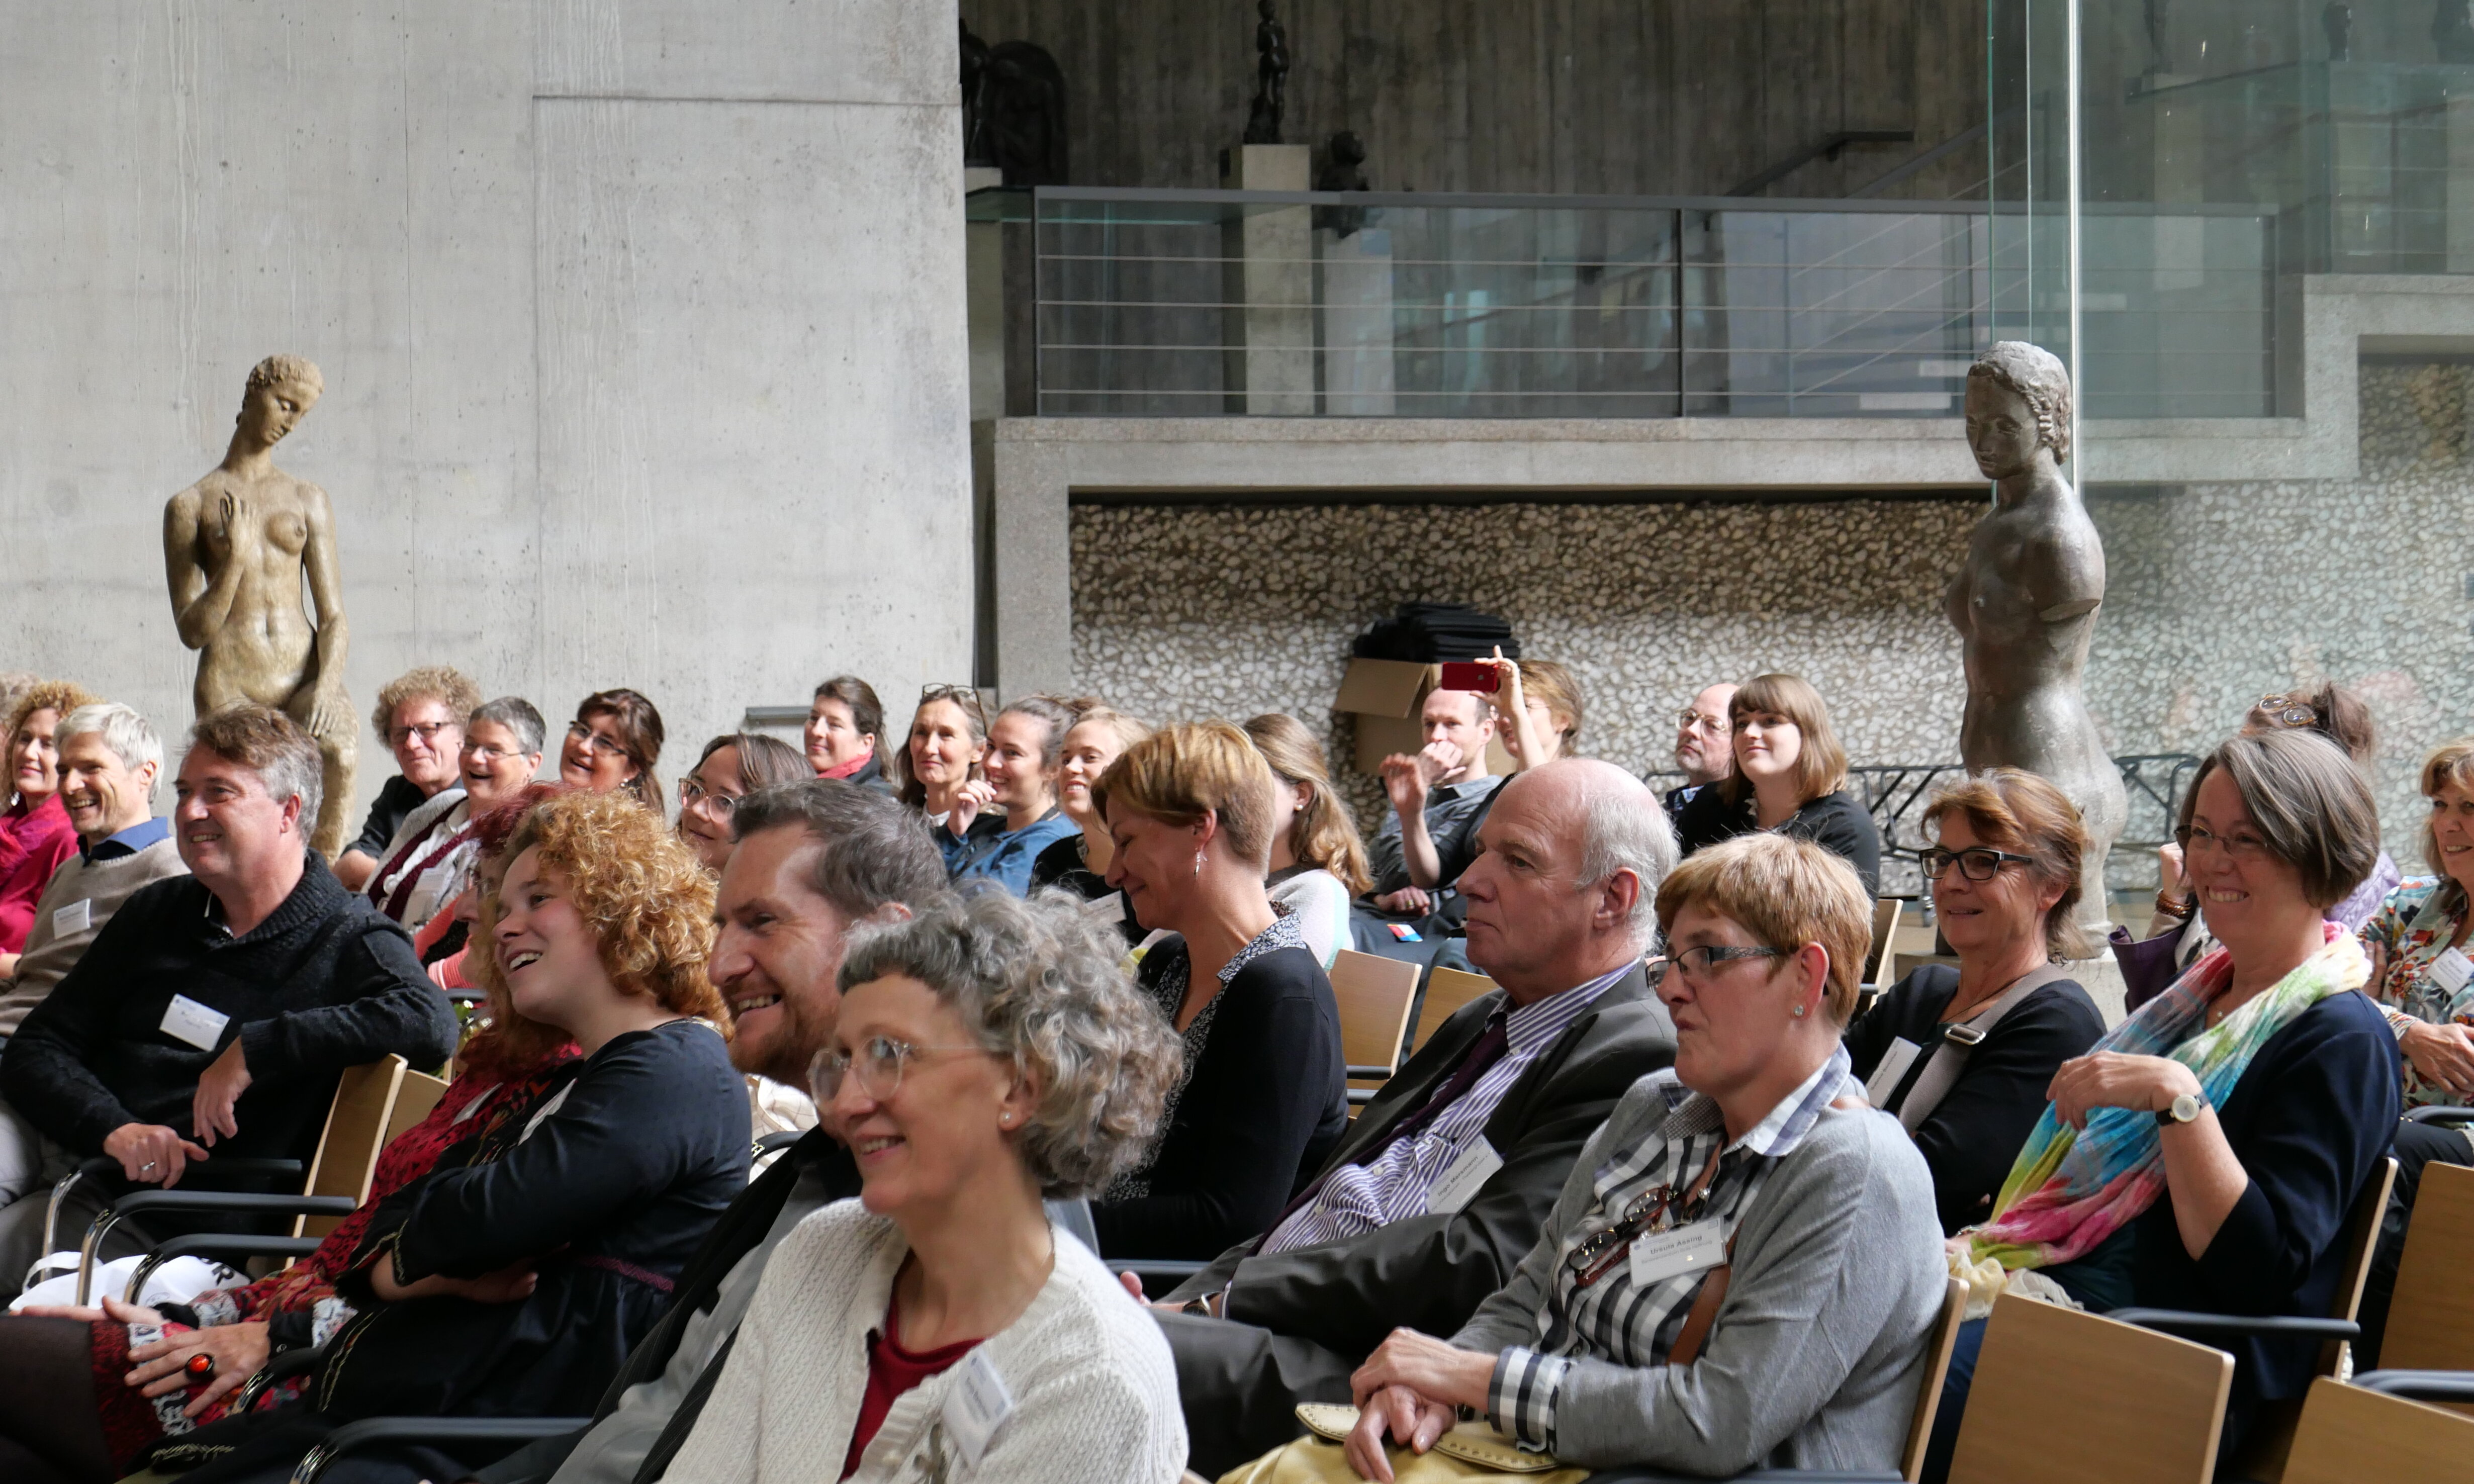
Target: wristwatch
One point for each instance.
(2184, 1109)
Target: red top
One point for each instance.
(892, 1371)
(33, 844)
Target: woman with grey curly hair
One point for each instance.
(988, 1051)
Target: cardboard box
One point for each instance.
(1385, 697)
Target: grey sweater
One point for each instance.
(1818, 1349)
(101, 886)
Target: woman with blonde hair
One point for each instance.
(34, 832)
(1264, 1093)
(1540, 709)
(1962, 1058)
(1079, 863)
(1791, 776)
(1318, 861)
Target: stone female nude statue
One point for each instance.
(2024, 603)
(236, 546)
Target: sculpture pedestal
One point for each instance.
(1271, 368)
(1357, 374)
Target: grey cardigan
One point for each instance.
(1818, 1349)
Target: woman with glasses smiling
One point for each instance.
(428, 863)
(731, 767)
(614, 743)
(1962, 1056)
(986, 1053)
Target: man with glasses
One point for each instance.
(420, 716)
(1441, 1184)
(1705, 746)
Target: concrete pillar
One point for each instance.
(1272, 371)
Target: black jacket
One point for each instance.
(323, 984)
(1972, 1137)
(1834, 821)
(1300, 1321)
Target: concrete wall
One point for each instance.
(641, 322)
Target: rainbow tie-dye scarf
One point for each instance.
(2071, 1188)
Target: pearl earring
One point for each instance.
(1197, 862)
(1006, 1119)
(1797, 1012)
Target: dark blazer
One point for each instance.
(1971, 1139)
(1834, 821)
(1300, 1321)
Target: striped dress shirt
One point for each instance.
(1358, 1198)
(1613, 1320)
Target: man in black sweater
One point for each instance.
(215, 1012)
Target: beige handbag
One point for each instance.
(1470, 1453)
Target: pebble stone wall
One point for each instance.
(2217, 594)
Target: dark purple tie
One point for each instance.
(1483, 1053)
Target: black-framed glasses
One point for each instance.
(1698, 961)
(878, 1064)
(1977, 862)
(594, 744)
(2193, 838)
(426, 731)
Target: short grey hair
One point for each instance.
(517, 716)
(876, 851)
(269, 744)
(122, 729)
(1626, 829)
(1039, 982)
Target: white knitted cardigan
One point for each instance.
(1094, 1388)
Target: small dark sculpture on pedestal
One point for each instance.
(2024, 603)
(1270, 78)
(1344, 169)
(1017, 122)
(2452, 31)
(2337, 21)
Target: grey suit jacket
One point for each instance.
(1298, 1322)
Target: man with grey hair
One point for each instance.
(109, 760)
(1443, 1181)
(257, 979)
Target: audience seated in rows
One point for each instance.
(428, 862)
(215, 1012)
(731, 767)
(1263, 1094)
(1000, 824)
(1434, 794)
(814, 860)
(1079, 863)
(2420, 981)
(1704, 746)
(1740, 1268)
(1441, 1184)
(98, 1386)
(2205, 1154)
(1964, 1058)
(614, 743)
(840, 738)
(419, 716)
(949, 735)
(108, 761)
(984, 1052)
(1318, 861)
(36, 834)
(1791, 776)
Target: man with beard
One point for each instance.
(814, 859)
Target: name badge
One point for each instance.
(184, 1019)
(75, 918)
(2451, 970)
(1474, 1167)
(977, 1406)
(1109, 908)
(1664, 1254)
(1892, 1071)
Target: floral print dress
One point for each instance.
(2414, 926)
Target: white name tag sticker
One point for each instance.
(977, 1406)
(1109, 908)
(2451, 970)
(1892, 1070)
(1664, 1254)
(75, 918)
(1473, 1167)
(184, 1019)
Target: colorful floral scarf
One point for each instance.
(2070, 1189)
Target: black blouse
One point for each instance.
(1972, 1137)
(1063, 865)
(1834, 821)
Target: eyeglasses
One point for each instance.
(878, 1066)
(1977, 862)
(485, 754)
(594, 744)
(425, 730)
(1599, 1252)
(965, 696)
(2242, 847)
(692, 794)
(1697, 721)
(1698, 963)
(2288, 710)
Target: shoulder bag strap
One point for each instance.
(1957, 1041)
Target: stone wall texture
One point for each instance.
(2218, 594)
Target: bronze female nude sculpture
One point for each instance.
(2025, 602)
(236, 547)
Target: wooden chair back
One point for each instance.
(1373, 994)
(2360, 1238)
(1945, 1339)
(2349, 1435)
(2430, 1324)
(1446, 991)
(2061, 1398)
(1878, 959)
(358, 1125)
